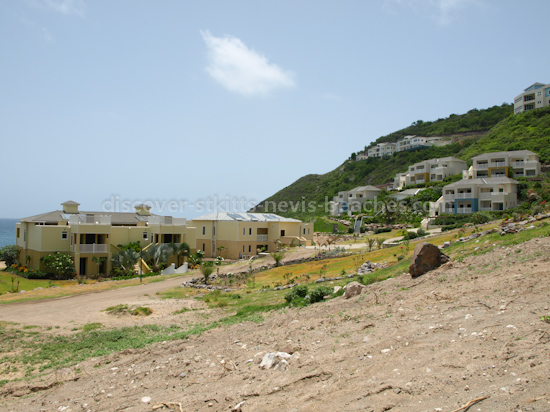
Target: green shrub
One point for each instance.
(299, 291)
(142, 311)
(382, 230)
(117, 309)
(319, 293)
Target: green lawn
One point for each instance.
(6, 283)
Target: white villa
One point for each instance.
(523, 163)
(433, 170)
(352, 200)
(535, 96)
(473, 195)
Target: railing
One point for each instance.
(262, 238)
(166, 220)
(482, 166)
(498, 164)
(485, 195)
(464, 210)
(449, 210)
(93, 248)
(519, 163)
(89, 220)
(485, 209)
(464, 195)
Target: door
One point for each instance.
(83, 266)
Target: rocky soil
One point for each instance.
(469, 330)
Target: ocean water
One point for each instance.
(7, 232)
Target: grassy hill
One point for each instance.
(507, 131)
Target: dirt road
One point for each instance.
(76, 310)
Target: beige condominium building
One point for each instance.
(481, 194)
(522, 163)
(433, 170)
(352, 200)
(535, 96)
(85, 235)
(241, 235)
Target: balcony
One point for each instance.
(449, 210)
(93, 248)
(485, 195)
(481, 166)
(464, 195)
(498, 164)
(262, 238)
(485, 208)
(464, 210)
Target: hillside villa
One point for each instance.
(473, 195)
(433, 170)
(522, 163)
(535, 96)
(407, 143)
(349, 201)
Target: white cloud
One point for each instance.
(442, 10)
(242, 70)
(65, 7)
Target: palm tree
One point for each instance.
(182, 249)
(371, 242)
(220, 250)
(125, 260)
(155, 255)
(380, 242)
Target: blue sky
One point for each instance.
(184, 101)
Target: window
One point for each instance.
(64, 235)
(24, 235)
(500, 190)
(214, 231)
(250, 231)
(304, 230)
(204, 230)
(308, 230)
(282, 232)
(144, 235)
(244, 232)
(249, 248)
(18, 232)
(203, 247)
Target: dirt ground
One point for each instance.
(465, 331)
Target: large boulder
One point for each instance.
(353, 289)
(426, 257)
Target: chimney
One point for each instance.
(70, 207)
(143, 210)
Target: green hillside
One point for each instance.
(529, 131)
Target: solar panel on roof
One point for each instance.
(252, 217)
